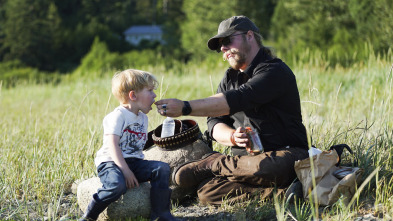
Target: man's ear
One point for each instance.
(250, 35)
(132, 95)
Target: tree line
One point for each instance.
(54, 35)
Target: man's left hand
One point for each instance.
(242, 139)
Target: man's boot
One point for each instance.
(192, 173)
(160, 200)
(294, 192)
(93, 210)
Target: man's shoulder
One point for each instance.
(230, 71)
(230, 74)
(270, 63)
(272, 66)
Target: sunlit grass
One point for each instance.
(50, 134)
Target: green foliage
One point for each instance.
(97, 61)
(260, 12)
(29, 29)
(14, 73)
(374, 21)
(100, 60)
(201, 23)
(337, 29)
(140, 59)
(2, 34)
(172, 16)
(308, 23)
(203, 18)
(54, 35)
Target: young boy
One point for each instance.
(120, 162)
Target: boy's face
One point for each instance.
(145, 98)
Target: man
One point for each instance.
(258, 91)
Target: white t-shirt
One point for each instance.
(132, 130)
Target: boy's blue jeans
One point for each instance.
(114, 184)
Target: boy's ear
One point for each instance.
(132, 95)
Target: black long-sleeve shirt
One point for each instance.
(266, 98)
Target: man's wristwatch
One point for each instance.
(186, 108)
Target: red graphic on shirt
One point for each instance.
(138, 134)
(135, 139)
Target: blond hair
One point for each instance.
(131, 80)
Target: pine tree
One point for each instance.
(28, 30)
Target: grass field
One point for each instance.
(50, 133)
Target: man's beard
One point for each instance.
(238, 58)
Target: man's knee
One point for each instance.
(209, 198)
(280, 170)
(229, 193)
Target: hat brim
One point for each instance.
(213, 42)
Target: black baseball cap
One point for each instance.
(230, 26)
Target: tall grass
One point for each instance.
(49, 133)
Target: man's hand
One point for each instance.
(241, 138)
(130, 178)
(170, 107)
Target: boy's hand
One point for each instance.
(130, 178)
(115, 152)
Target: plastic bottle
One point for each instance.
(168, 127)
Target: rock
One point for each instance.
(176, 157)
(75, 184)
(135, 202)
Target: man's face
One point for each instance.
(235, 49)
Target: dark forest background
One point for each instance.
(47, 36)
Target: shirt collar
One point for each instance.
(260, 57)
